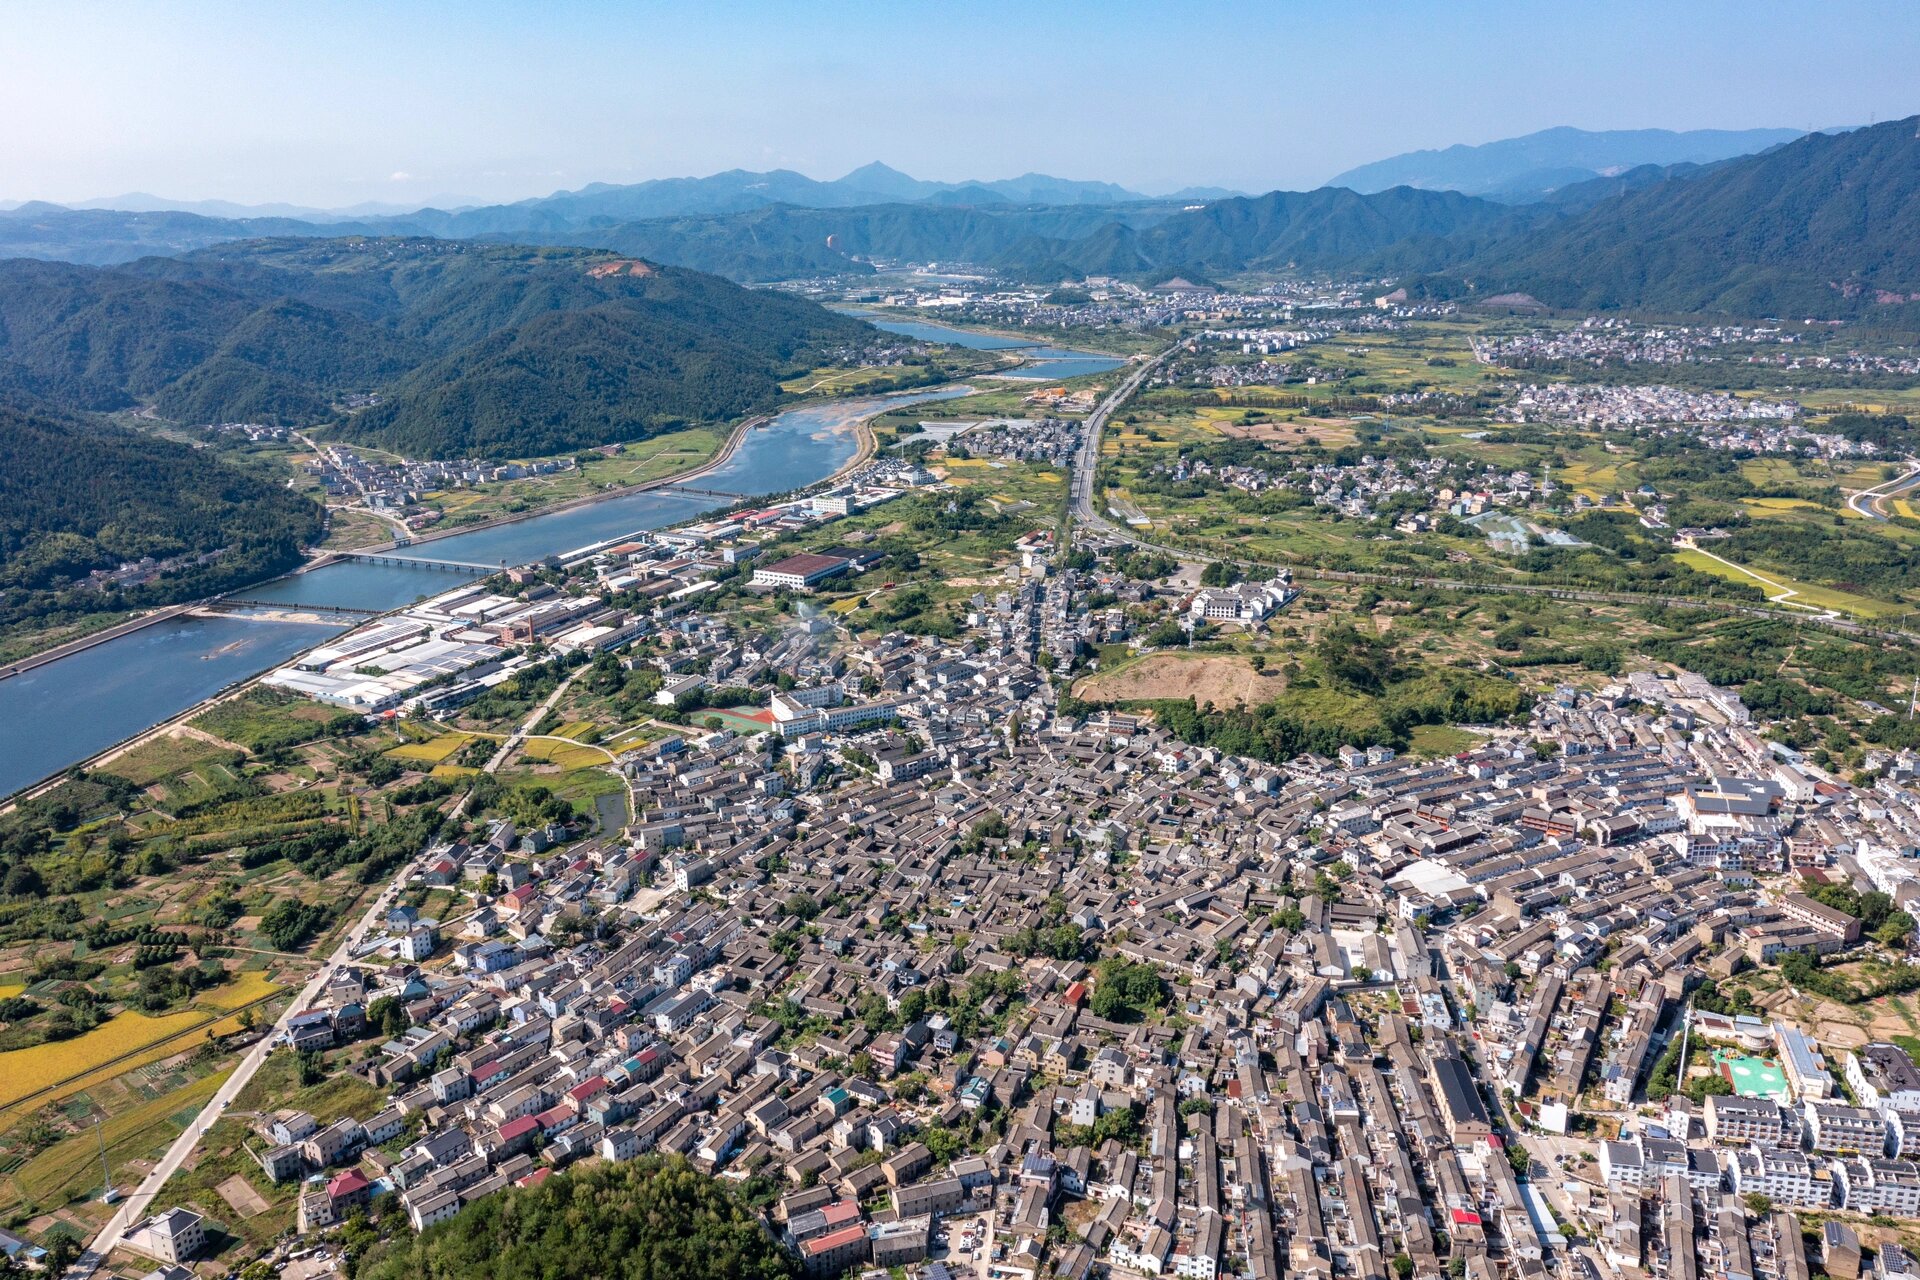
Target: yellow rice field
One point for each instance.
(72, 1167)
(433, 751)
(24, 1072)
(245, 988)
(565, 754)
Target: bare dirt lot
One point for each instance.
(1293, 431)
(245, 1200)
(1221, 679)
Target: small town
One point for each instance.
(896, 642)
(985, 983)
(992, 988)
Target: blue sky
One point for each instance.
(337, 103)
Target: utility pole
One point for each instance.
(107, 1194)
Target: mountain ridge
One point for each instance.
(1532, 166)
(475, 350)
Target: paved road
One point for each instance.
(134, 1209)
(1088, 464)
(1867, 501)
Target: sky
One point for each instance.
(408, 102)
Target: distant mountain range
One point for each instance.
(1826, 224)
(1533, 167)
(729, 192)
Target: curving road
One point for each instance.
(1868, 501)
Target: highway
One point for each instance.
(1084, 510)
(1088, 464)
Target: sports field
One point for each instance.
(1752, 1077)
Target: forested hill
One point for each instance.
(473, 349)
(1828, 225)
(75, 497)
(1308, 230)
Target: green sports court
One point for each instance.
(1752, 1077)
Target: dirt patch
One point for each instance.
(1292, 431)
(621, 267)
(237, 1192)
(1221, 679)
(1840, 1035)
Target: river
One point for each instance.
(1047, 363)
(77, 707)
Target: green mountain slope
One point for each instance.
(75, 497)
(1314, 230)
(1828, 225)
(490, 349)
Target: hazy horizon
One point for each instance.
(490, 102)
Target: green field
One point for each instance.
(70, 1170)
(1803, 592)
(1434, 740)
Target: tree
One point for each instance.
(1125, 990)
(388, 1016)
(311, 1067)
(1758, 1205)
(1895, 931)
(943, 1142)
(645, 1219)
(62, 1252)
(1712, 1085)
(1402, 1266)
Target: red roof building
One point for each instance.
(348, 1183)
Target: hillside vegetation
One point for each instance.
(1827, 225)
(76, 497)
(646, 1219)
(472, 349)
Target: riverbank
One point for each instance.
(719, 458)
(80, 644)
(1023, 339)
(321, 560)
(787, 445)
(101, 759)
